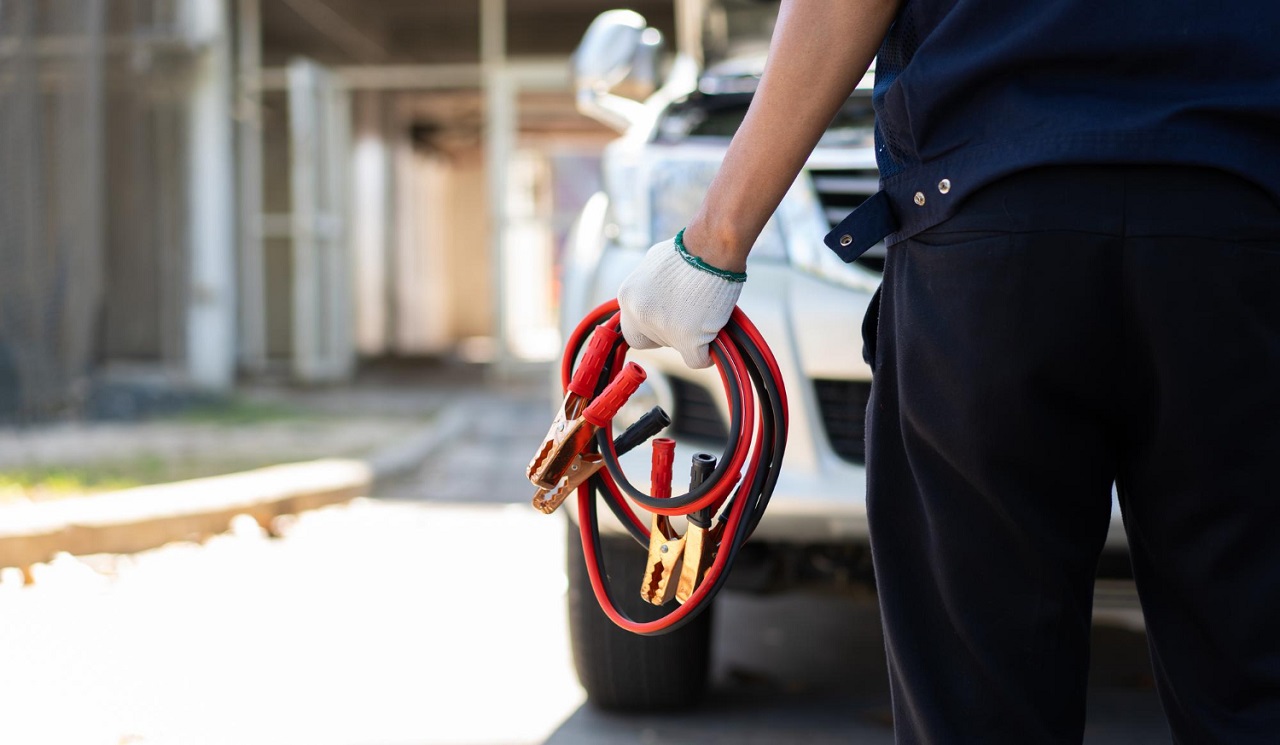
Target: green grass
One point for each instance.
(64, 480)
(53, 482)
(47, 482)
(39, 483)
(239, 411)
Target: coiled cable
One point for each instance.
(757, 440)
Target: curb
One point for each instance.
(132, 520)
(405, 457)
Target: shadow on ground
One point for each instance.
(809, 669)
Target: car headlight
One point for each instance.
(676, 188)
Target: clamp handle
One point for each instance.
(664, 454)
(602, 410)
(588, 371)
(645, 427)
(703, 465)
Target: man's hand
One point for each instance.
(674, 300)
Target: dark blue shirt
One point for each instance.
(968, 91)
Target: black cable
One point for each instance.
(770, 448)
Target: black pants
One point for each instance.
(1073, 327)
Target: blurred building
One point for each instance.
(197, 191)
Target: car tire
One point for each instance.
(622, 671)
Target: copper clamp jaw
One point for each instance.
(677, 564)
(562, 462)
(666, 549)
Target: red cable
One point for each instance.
(747, 414)
(741, 379)
(754, 334)
(733, 373)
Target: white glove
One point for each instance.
(675, 300)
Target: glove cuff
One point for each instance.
(699, 264)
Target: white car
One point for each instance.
(808, 304)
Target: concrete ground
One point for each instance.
(380, 623)
(433, 613)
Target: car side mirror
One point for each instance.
(616, 66)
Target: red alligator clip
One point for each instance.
(562, 463)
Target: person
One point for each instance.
(1081, 203)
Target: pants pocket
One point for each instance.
(870, 328)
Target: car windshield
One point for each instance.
(718, 117)
(734, 28)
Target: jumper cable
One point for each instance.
(723, 505)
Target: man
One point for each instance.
(1082, 207)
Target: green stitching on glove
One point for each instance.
(697, 263)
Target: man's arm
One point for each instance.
(819, 51)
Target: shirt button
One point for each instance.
(944, 185)
(846, 239)
(920, 198)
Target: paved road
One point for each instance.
(434, 614)
(379, 623)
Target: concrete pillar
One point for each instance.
(500, 136)
(252, 269)
(211, 315)
(689, 23)
(371, 220)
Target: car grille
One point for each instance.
(843, 404)
(839, 191)
(696, 414)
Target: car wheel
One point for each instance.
(622, 671)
